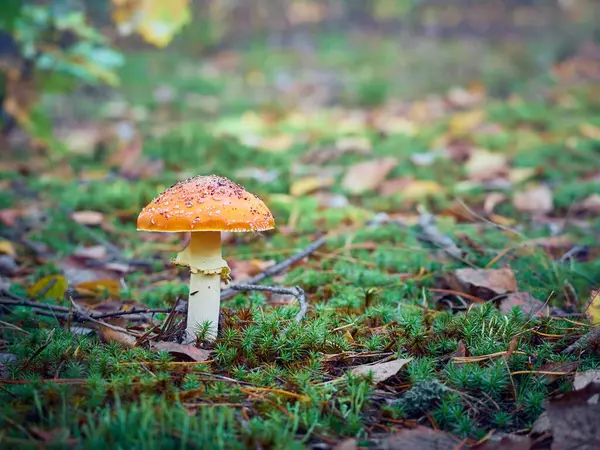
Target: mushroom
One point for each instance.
(205, 206)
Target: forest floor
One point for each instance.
(450, 246)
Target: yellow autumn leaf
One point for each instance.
(593, 309)
(590, 131)
(157, 21)
(7, 248)
(96, 287)
(462, 123)
(307, 185)
(52, 286)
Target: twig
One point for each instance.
(296, 291)
(490, 222)
(431, 234)
(277, 268)
(592, 337)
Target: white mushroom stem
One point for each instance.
(203, 257)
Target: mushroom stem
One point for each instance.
(203, 257)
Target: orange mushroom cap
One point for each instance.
(206, 203)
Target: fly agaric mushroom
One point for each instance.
(205, 206)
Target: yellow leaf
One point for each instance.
(307, 185)
(52, 286)
(590, 131)
(419, 189)
(6, 248)
(593, 309)
(463, 123)
(98, 286)
(157, 21)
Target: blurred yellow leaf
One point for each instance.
(593, 309)
(462, 123)
(307, 185)
(157, 21)
(98, 286)
(590, 131)
(53, 286)
(418, 189)
(6, 248)
(485, 165)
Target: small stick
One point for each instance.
(591, 337)
(277, 268)
(296, 291)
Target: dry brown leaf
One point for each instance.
(583, 379)
(484, 283)
(368, 175)
(574, 419)
(537, 200)
(242, 269)
(381, 371)
(108, 334)
(530, 305)
(186, 352)
(89, 218)
(422, 438)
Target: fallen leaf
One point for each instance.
(461, 350)
(591, 205)
(186, 352)
(307, 185)
(537, 199)
(156, 21)
(593, 308)
(88, 217)
(7, 248)
(410, 189)
(520, 174)
(108, 334)
(584, 379)
(559, 368)
(347, 444)
(9, 216)
(52, 286)
(394, 186)
(96, 252)
(493, 200)
(484, 283)
(484, 165)
(278, 143)
(242, 269)
(96, 287)
(368, 175)
(76, 271)
(381, 371)
(422, 438)
(526, 302)
(574, 419)
(358, 144)
(463, 123)
(590, 131)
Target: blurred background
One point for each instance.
(279, 53)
